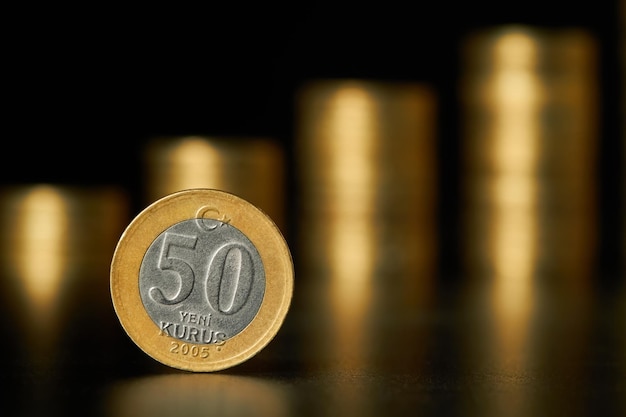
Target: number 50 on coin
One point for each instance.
(201, 280)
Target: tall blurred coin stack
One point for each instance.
(366, 232)
(252, 168)
(529, 138)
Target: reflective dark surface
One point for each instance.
(472, 344)
(459, 352)
(87, 95)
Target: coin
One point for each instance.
(201, 280)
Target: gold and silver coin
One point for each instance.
(201, 280)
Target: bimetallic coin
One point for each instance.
(201, 280)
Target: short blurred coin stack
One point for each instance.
(56, 248)
(251, 168)
(55, 252)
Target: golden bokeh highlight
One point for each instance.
(40, 246)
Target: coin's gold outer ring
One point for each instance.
(155, 219)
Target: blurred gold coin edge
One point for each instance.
(177, 207)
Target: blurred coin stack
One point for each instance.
(251, 168)
(366, 226)
(56, 250)
(365, 157)
(529, 138)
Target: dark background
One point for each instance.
(85, 88)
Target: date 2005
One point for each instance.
(186, 349)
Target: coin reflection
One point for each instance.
(197, 394)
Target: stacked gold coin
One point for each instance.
(365, 157)
(56, 250)
(529, 141)
(252, 168)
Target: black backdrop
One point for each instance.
(84, 88)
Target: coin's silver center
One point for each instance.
(202, 281)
